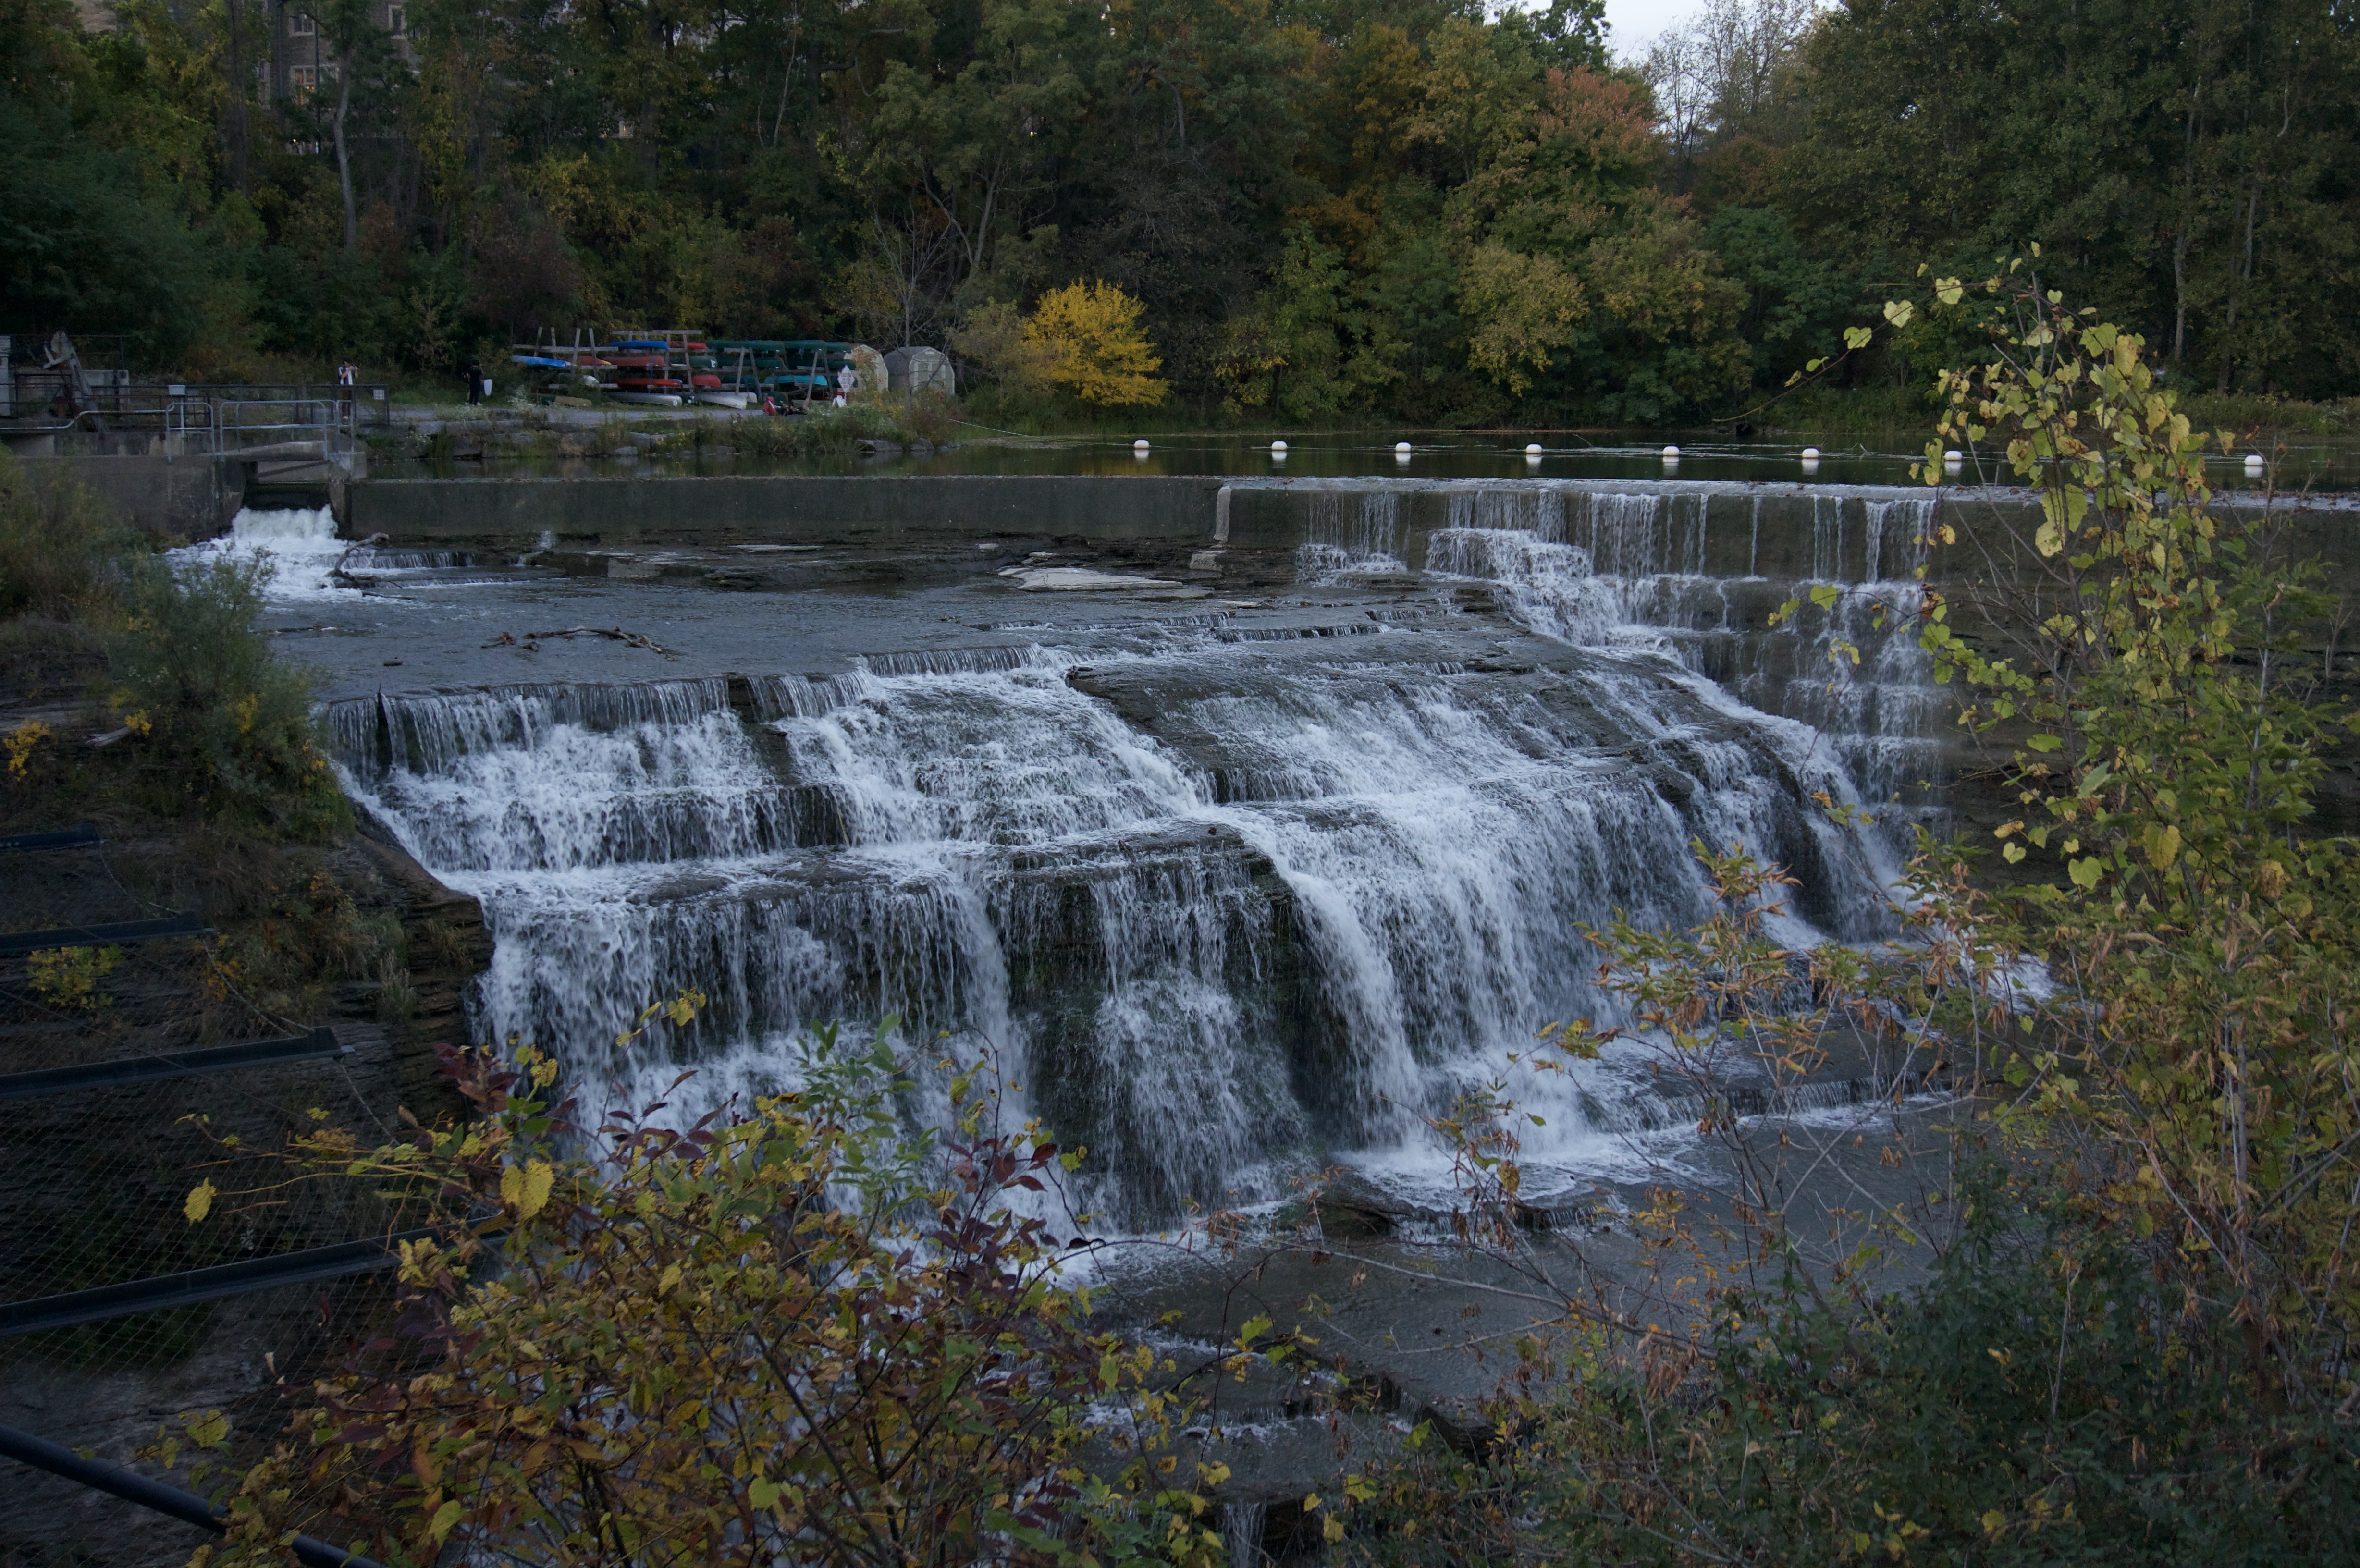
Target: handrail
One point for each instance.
(193, 413)
(193, 1286)
(133, 1487)
(73, 837)
(335, 420)
(102, 934)
(155, 1068)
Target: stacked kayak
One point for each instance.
(667, 368)
(799, 368)
(643, 374)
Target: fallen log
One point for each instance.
(614, 633)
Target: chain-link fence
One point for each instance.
(132, 1072)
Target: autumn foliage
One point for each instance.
(753, 1339)
(1087, 339)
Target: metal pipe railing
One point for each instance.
(132, 1488)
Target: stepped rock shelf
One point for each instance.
(1248, 819)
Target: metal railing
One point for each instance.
(41, 1453)
(151, 405)
(230, 427)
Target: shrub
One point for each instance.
(761, 1339)
(2042, 1401)
(59, 545)
(223, 729)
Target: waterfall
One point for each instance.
(1531, 509)
(1241, 1525)
(1873, 717)
(1233, 903)
(1828, 539)
(296, 545)
(1350, 530)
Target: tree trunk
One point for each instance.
(344, 154)
(234, 121)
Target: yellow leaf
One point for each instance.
(2162, 845)
(1333, 1528)
(200, 1202)
(444, 1518)
(539, 1176)
(1311, 1503)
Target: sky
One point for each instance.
(1632, 23)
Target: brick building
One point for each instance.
(302, 56)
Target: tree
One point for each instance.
(1579, 279)
(1795, 302)
(2180, 161)
(89, 239)
(2165, 748)
(1087, 336)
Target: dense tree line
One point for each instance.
(1327, 207)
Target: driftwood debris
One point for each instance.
(531, 641)
(338, 572)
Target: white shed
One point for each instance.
(921, 370)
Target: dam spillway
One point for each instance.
(1246, 842)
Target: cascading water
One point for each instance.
(296, 545)
(1350, 530)
(1851, 668)
(1229, 907)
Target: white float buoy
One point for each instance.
(1279, 447)
(1401, 449)
(1139, 445)
(1534, 450)
(1810, 454)
(1672, 453)
(2253, 462)
(1954, 456)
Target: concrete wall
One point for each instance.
(190, 495)
(1783, 532)
(720, 510)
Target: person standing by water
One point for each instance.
(474, 383)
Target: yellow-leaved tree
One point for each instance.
(1087, 337)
